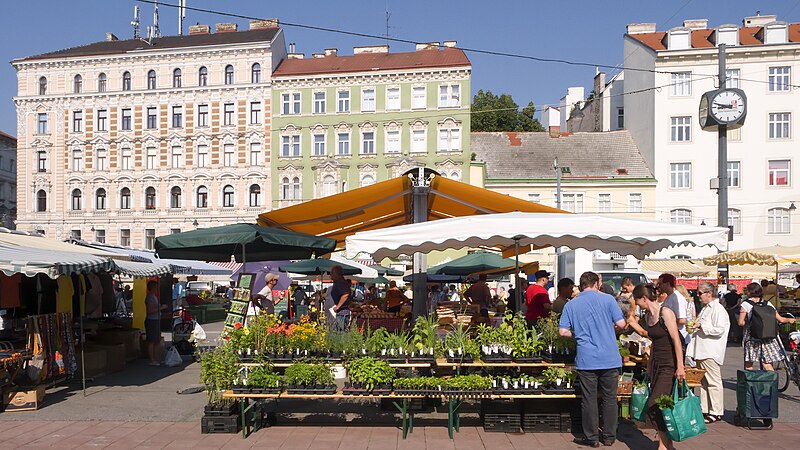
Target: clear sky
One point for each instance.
(581, 30)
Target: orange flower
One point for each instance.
(237, 325)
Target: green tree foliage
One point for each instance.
(500, 113)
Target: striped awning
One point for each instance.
(142, 269)
(765, 256)
(677, 267)
(230, 265)
(32, 261)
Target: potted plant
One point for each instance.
(423, 339)
(219, 368)
(467, 386)
(459, 347)
(555, 377)
(369, 376)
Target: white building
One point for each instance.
(605, 110)
(674, 68)
(8, 180)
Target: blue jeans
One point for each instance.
(343, 320)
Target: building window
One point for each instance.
(77, 84)
(102, 82)
(780, 125)
(176, 78)
(367, 180)
(177, 157)
(150, 198)
(286, 189)
(449, 139)
(202, 76)
(255, 154)
(75, 234)
(150, 238)
(102, 120)
(777, 221)
(255, 195)
(126, 81)
(202, 156)
(227, 196)
(126, 119)
(174, 230)
(255, 73)
(779, 173)
(418, 141)
(227, 114)
(77, 121)
(393, 142)
(77, 160)
(102, 159)
(41, 201)
(734, 174)
(41, 161)
(127, 156)
(418, 97)
(449, 95)
(393, 99)
(177, 117)
(680, 175)
(681, 129)
(175, 197)
(100, 199)
(572, 202)
(151, 79)
(635, 202)
(604, 203)
(680, 216)
(229, 74)
(535, 198)
(343, 143)
(152, 158)
(732, 78)
(735, 220)
(202, 116)
(319, 144)
(255, 113)
(368, 143)
(620, 118)
(125, 198)
(290, 146)
(228, 155)
(100, 236)
(77, 200)
(328, 185)
(319, 102)
(290, 103)
(368, 99)
(41, 123)
(202, 197)
(343, 101)
(152, 117)
(681, 83)
(125, 237)
(779, 79)
(42, 86)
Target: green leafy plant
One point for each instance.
(524, 341)
(460, 339)
(665, 401)
(423, 335)
(468, 383)
(305, 374)
(370, 371)
(624, 352)
(375, 341)
(397, 341)
(551, 374)
(219, 369)
(640, 384)
(263, 376)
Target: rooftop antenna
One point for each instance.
(181, 16)
(154, 31)
(135, 22)
(388, 15)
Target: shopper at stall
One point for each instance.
(707, 348)
(537, 299)
(264, 300)
(590, 318)
(674, 301)
(342, 295)
(666, 354)
(152, 321)
(395, 299)
(479, 294)
(764, 351)
(733, 301)
(566, 287)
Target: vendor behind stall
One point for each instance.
(394, 298)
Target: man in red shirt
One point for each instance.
(537, 299)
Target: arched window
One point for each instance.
(202, 197)
(100, 199)
(296, 189)
(125, 198)
(286, 189)
(777, 221)
(229, 74)
(227, 196)
(151, 79)
(77, 200)
(150, 198)
(102, 82)
(328, 185)
(255, 195)
(175, 197)
(41, 201)
(255, 73)
(367, 180)
(77, 84)
(176, 78)
(126, 81)
(202, 77)
(680, 216)
(42, 86)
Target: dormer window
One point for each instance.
(679, 38)
(727, 34)
(776, 33)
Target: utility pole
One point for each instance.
(722, 163)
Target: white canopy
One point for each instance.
(635, 237)
(367, 272)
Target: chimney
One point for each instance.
(330, 52)
(199, 29)
(318, 55)
(371, 49)
(295, 55)
(292, 47)
(427, 46)
(111, 37)
(696, 24)
(758, 20)
(262, 24)
(638, 28)
(227, 27)
(449, 44)
(622, 171)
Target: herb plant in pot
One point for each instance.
(369, 376)
(219, 368)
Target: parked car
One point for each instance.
(197, 287)
(614, 278)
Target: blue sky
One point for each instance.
(582, 30)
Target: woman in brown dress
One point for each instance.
(666, 354)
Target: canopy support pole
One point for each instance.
(419, 194)
(517, 293)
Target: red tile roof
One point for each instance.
(702, 38)
(366, 62)
(7, 136)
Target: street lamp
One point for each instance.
(792, 208)
(195, 223)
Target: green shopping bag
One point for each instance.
(685, 419)
(639, 399)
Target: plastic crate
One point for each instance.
(501, 423)
(220, 424)
(544, 423)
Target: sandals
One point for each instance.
(710, 418)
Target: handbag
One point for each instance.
(639, 398)
(685, 419)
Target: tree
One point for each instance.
(500, 113)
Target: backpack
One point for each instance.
(762, 321)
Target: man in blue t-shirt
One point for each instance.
(590, 318)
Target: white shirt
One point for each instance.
(711, 339)
(678, 304)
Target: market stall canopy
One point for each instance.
(388, 204)
(318, 267)
(388, 271)
(635, 237)
(46, 244)
(792, 268)
(257, 243)
(367, 272)
(437, 278)
(142, 269)
(765, 256)
(471, 263)
(677, 267)
(177, 266)
(32, 261)
(527, 269)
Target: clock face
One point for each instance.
(727, 106)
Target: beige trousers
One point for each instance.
(711, 392)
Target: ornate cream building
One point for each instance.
(121, 141)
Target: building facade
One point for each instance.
(667, 73)
(342, 122)
(8, 180)
(121, 141)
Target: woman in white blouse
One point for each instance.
(707, 347)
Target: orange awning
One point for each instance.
(388, 204)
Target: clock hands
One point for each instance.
(723, 106)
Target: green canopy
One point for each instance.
(317, 267)
(474, 262)
(388, 271)
(245, 241)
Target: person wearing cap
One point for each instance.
(264, 300)
(537, 299)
